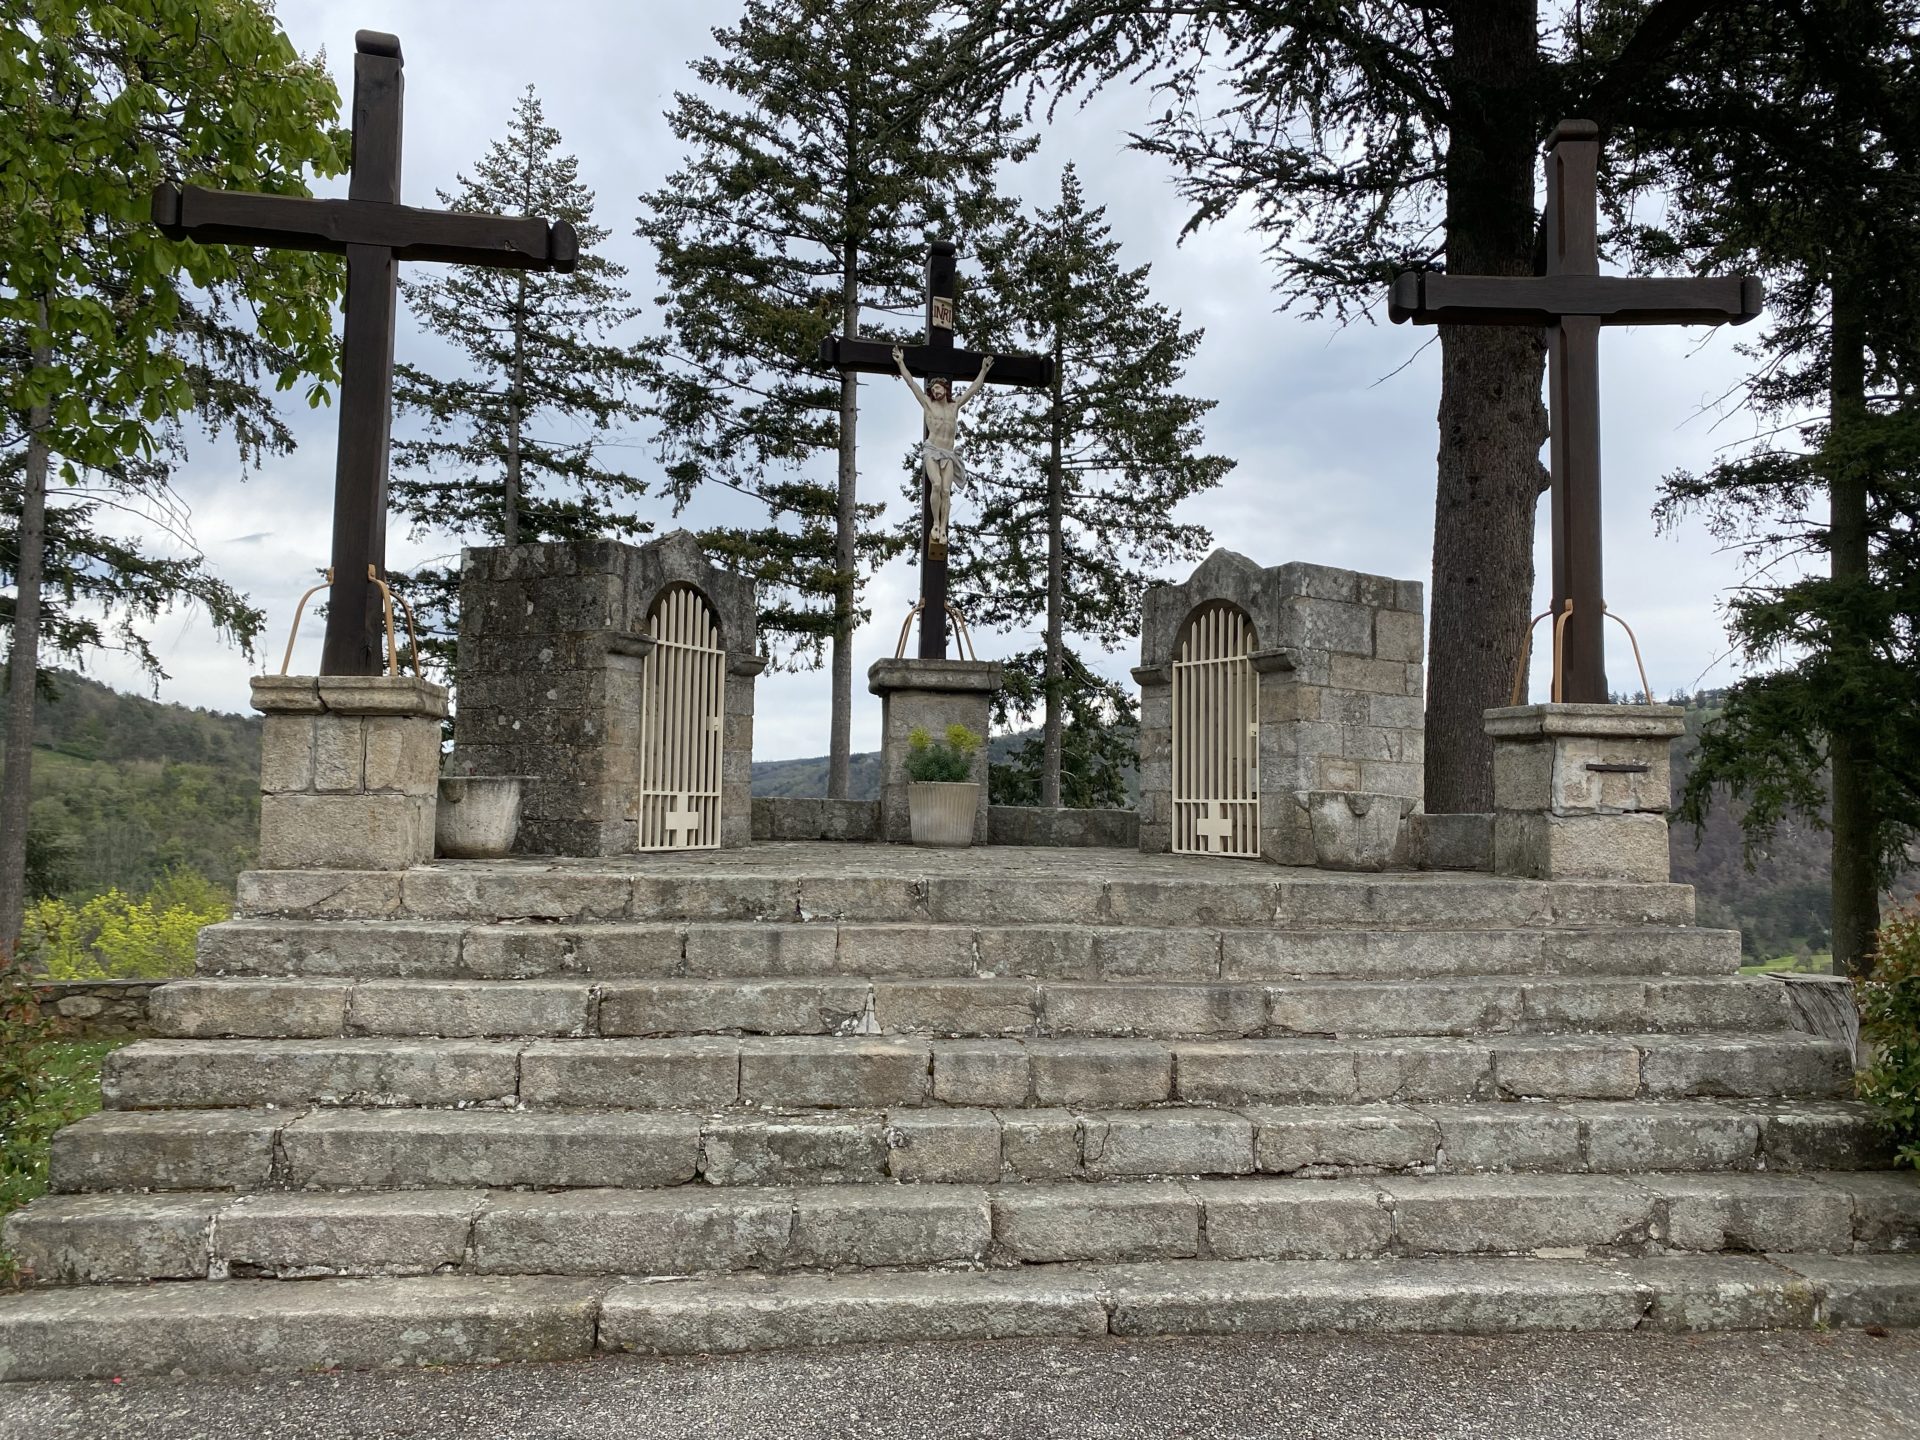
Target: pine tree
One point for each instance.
(511, 450)
(111, 334)
(846, 135)
(1791, 145)
(1075, 487)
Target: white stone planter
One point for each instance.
(941, 812)
(478, 816)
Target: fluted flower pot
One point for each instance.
(478, 816)
(941, 812)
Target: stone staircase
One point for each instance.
(807, 1094)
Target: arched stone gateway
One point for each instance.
(1216, 735)
(683, 711)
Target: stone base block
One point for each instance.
(1580, 847)
(929, 695)
(1452, 842)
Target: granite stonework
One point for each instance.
(553, 649)
(1045, 825)
(97, 1009)
(1580, 792)
(929, 695)
(1340, 659)
(813, 817)
(349, 770)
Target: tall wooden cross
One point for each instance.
(937, 356)
(1574, 300)
(375, 232)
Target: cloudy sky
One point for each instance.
(1333, 428)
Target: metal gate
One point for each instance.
(682, 717)
(1216, 735)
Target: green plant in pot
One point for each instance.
(942, 796)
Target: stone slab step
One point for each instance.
(95, 1239)
(1027, 887)
(973, 1008)
(245, 1327)
(991, 948)
(340, 1149)
(875, 1071)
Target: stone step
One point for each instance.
(93, 1239)
(308, 1008)
(1028, 887)
(991, 948)
(244, 1327)
(345, 1149)
(881, 1071)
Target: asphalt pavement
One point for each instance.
(1740, 1386)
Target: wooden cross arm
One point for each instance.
(293, 222)
(873, 357)
(1439, 299)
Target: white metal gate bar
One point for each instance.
(682, 718)
(1216, 736)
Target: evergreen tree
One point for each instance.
(1361, 139)
(843, 138)
(511, 450)
(1075, 486)
(1790, 143)
(110, 333)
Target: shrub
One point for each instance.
(1890, 1018)
(117, 937)
(946, 760)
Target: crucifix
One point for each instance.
(375, 232)
(937, 359)
(1573, 300)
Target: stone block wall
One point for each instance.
(553, 641)
(349, 770)
(812, 817)
(1042, 825)
(1341, 660)
(98, 1009)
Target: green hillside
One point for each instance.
(126, 789)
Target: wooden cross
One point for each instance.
(681, 819)
(1574, 300)
(936, 357)
(1215, 828)
(375, 232)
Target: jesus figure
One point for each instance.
(937, 451)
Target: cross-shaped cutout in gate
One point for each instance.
(681, 819)
(1215, 828)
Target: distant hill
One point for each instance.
(126, 788)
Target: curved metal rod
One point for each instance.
(1646, 690)
(1560, 646)
(960, 629)
(386, 596)
(413, 635)
(294, 634)
(906, 625)
(1519, 695)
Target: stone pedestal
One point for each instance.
(1581, 791)
(554, 645)
(349, 770)
(929, 695)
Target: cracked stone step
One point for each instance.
(972, 1008)
(959, 890)
(100, 1239)
(865, 1071)
(347, 1148)
(253, 1326)
(992, 947)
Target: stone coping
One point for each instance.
(1625, 722)
(348, 695)
(913, 674)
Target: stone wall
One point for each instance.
(1340, 656)
(98, 1009)
(1039, 825)
(553, 641)
(809, 817)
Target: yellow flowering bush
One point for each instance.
(115, 936)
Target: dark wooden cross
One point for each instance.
(937, 357)
(375, 232)
(1573, 300)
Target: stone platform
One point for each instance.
(811, 1093)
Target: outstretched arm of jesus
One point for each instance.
(900, 360)
(978, 381)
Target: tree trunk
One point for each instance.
(846, 523)
(1856, 870)
(1050, 745)
(23, 672)
(510, 516)
(1492, 421)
